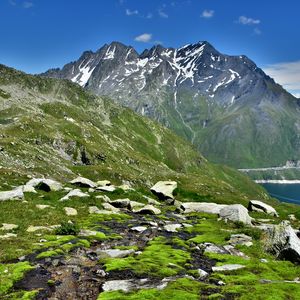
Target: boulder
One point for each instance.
(229, 267)
(106, 188)
(138, 228)
(202, 274)
(16, 194)
(283, 242)
(43, 206)
(120, 203)
(204, 207)
(74, 193)
(103, 183)
(108, 206)
(164, 189)
(255, 205)
(43, 228)
(135, 204)
(70, 211)
(236, 213)
(148, 210)
(43, 184)
(83, 182)
(7, 236)
(96, 210)
(29, 189)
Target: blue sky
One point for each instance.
(40, 34)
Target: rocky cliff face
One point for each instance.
(225, 105)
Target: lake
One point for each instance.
(284, 192)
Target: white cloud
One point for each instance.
(257, 31)
(149, 16)
(144, 38)
(27, 4)
(12, 2)
(131, 12)
(207, 13)
(162, 14)
(287, 74)
(248, 21)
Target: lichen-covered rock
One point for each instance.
(236, 213)
(83, 182)
(70, 211)
(256, 205)
(148, 210)
(229, 267)
(74, 193)
(164, 189)
(114, 253)
(8, 227)
(106, 188)
(240, 239)
(120, 203)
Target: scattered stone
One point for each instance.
(110, 207)
(70, 211)
(135, 204)
(164, 189)
(46, 185)
(114, 253)
(151, 201)
(148, 210)
(292, 217)
(240, 239)
(43, 206)
(236, 213)
(74, 193)
(83, 182)
(7, 236)
(125, 187)
(39, 228)
(96, 210)
(227, 249)
(255, 205)
(109, 188)
(91, 190)
(202, 274)
(172, 227)
(186, 225)
(105, 198)
(120, 203)
(263, 260)
(221, 283)
(86, 232)
(282, 241)
(15, 194)
(103, 183)
(204, 207)
(139, 228)
(229, 267)
(8, 227)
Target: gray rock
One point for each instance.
(139, 228)
(70, 211)
(292, 217)
(152, 201)
(41, 228)
(229, 267)
(240, 239)
(148, 210)
(236, 213)
(8, 227)
(120, 203)
(114, 253)
(107, 188)
(83, 182)
(16, 194)
(202, 274)
(172, 227)
(110, 207)
(7, 236)
(96, 210)
(74, 193)
(43, 206)
(43, 184)
(103, 183)
(135, 204)
(282, 241)
(204, 207)
(164, 189)
(255, 205)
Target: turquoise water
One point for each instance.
(284, 192)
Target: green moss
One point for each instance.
(11, 273)
(50, 253)
(158, 259)
(22, 295)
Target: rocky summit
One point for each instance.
(98, 203)
(220, 103)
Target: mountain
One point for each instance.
(225, 105)
(54, 128)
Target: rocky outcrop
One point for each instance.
(236, 213)
(256, 205)
(283, 242)
(164, 189)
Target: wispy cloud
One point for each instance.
(149, 16)
(131, 12)
(162, 14)
(144, 38)
(287, 74)
(248, 21)
(12, 2)
(27, 4)
(207, 13)
(257, 31)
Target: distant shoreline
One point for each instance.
(282, 181)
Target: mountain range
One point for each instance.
(225, 105)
